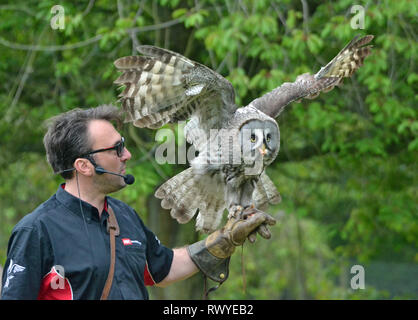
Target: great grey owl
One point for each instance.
(234, 144)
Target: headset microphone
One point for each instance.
(129, 179)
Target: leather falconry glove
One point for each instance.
(212, 255)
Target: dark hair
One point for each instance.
(67, 136)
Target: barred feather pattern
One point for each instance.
(348, 60)
(163, 86)
(154, 91)
(188, 194)
(345, 63)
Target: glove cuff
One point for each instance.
(215, 268)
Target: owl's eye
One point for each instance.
(268, 138)
(253, 138)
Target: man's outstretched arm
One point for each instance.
(211, 256)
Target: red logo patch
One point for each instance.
(127, 242)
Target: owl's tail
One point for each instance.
(188, 193)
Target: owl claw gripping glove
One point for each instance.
(212, 254)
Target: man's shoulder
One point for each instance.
(35, 218)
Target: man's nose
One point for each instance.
(126, 155)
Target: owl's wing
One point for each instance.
(345, 63)
(163, 86)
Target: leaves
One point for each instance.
(347, 163)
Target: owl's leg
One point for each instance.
(247, 194)
(240, 198)
(233, 196)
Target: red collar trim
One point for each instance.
(105, 204)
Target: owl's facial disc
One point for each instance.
(261, 137)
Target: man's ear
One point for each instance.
(84, 167)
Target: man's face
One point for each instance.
(103, 135)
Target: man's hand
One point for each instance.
(222, 243)
(211, 255)
(262, 229)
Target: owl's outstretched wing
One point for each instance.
(163, 86)
(345, 63)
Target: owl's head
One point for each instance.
(260, 140)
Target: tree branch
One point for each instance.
(31, 47)
(305, 9)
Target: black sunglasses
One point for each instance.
(119, 147)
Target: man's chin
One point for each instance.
(112, 185)
(119, 186)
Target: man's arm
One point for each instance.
(211, 256)
(182, 268)
(22, 271)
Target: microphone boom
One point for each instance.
(129, 179)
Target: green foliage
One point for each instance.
(347, 165)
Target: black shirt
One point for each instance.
(56, 253)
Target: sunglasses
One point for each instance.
(119, 147)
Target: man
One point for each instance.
(62, 251)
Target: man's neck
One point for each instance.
(86, 193)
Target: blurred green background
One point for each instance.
(347, 167)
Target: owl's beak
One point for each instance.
(263, 150)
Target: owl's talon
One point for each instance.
(248, 211)
(235, 212)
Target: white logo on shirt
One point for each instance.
(11, 271)
(129, 242)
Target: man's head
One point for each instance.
(71, 136)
